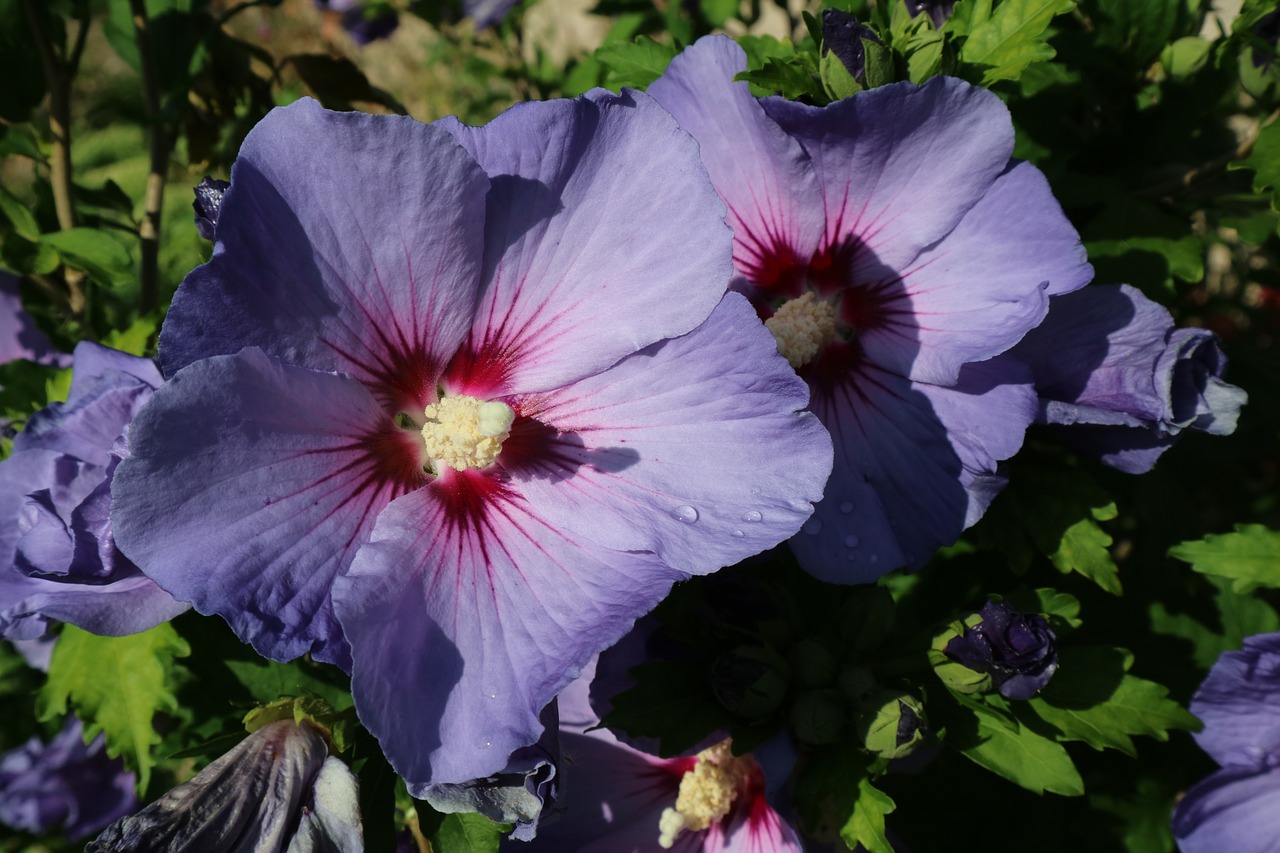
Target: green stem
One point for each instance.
(153, 202)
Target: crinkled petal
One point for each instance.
(763, 175)
(346, 242)
(900, 165)
(250, 485)
(95, 364)
(915, 465)
(1237, 809)
(331, 821)
(468, 564)
(1239, 703)
(603, 236)
(988, 282)
(693, 449)
(129, 604)
(87, 426)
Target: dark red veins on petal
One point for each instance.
(401, 376)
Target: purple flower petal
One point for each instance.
(1239, 703)
(635, 453)
(251, 486)
(763, 175)
(467, 571)
(583, 265)
(208, 205)
(487, 13)
(20, 337)
(1235, 809)
(915, 465)
(318, 271)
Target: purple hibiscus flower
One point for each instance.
(892, 246)
(278, 789)
(65, 785)
(1121, 381)
(623, 800)
(20, 337)
(453, 406)
(1018, 651)
(58, 557)
(1238, 807)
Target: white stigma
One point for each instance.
(706, 793)
(462, 432)
(802, 327)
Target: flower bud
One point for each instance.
(1017, 650)
(891, 723)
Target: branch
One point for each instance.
(149, 230)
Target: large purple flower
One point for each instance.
(1122, 381)
(893, 247)
(1238, 807)
(65, 785)
(453, 406)
(58, 557)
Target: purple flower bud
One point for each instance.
(938, 10)
(277, 789)
(66, 784)
(1016, 649)
(208, 204)
(842, 34)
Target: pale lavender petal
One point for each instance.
(345, 242)
(603, 236)
(915, 465)
(1236, 809)
(1239, 703)
(754, 827)
(468, 566)
(764, 176)
(128, 604)
(20, 337)
(250, 486)
(330, 821)
(634, 458)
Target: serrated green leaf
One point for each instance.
(1222, 628)
(468, 833)
(1012, 38)
(1093, 699)
(1264, 160)
(268, 681)
(1022, 756)
(866, 825)
(635, 64)
(1060, 604)
(924, 56)
(836, 79)
(95, 252)
(1083, 549)
(136, 339)
(116, 685)
(1249, 557)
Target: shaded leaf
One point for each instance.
(1250, 557)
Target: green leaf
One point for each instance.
(670, 701)
(1012, 38)
(116, 685)
(1264, 160)
(1222, 628)
(135, 340)
(635, 64)
(1083, 549)
(1250, 557)
(95, 252)
(268, 680)
(23, 220)
(1022, 756)
(1093, 699)
(866, 825)
(467, 833)
(836, 79)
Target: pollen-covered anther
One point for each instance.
(463, 432)
(706, 793)
(802, 326)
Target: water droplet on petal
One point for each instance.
(813, 526)
(738, 534)
(751, 516)
(755, 491)
(491, 692)
(685, 513)
(874, 558)
(486, 744)
(852, 540)
(846, 507)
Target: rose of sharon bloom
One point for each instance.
(622, 800)
(892, 247)
(65, 785)
(1017, 650)
(1121, 380)
(278, 789)
(1238, 807)
(58, 558)
(453, 406)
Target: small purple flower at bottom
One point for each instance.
(1017, 650)
(1237, 809)
(1117, 380)
(278, 789)
(64, 785)
(58, 558)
